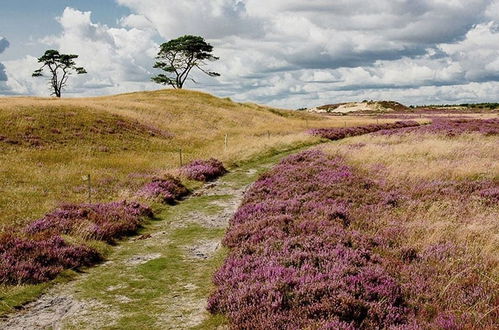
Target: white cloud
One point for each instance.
(492, 11)
(273, 50)
(116, 59)
(19, 77)
(296, 53)
(478, 53)
(212, 19)
(136, 21)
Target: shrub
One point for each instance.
(316, 244)
(451, 127)
(35, 260)
(106, 221)
(295, 261)
(204, 170)
(38, 253)
(344, 132)
(166, 190)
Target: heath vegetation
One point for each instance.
(204, 170)
(395, 230)
(392, 224)
(125, 141)
(297, 256)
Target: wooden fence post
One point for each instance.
(89, 187)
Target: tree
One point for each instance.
(179, 56)
(61, 66)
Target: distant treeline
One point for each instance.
(466, 105)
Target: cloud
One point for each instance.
(478, 53)
(3, 75)
(492, 11)
(19, 80)
(136, 21)
(284, 49)
(291, 52)
(116, 59)
(212, 19)
(4, 43)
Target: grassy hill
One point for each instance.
(49, 144)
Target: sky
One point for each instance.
(285, 53)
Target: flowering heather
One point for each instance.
(451, 127)
(316, 244)
(38, 253)
(204, 170)
(491, 194)
(166, 190)
(343, 132)
(295, 259)
(416, 115)
(35, 260)
(106, 221)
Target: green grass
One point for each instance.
(150, 285)
(12, 298)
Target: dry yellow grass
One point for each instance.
(438, 183)
(411, 159)
(415, 157)
(49, 144)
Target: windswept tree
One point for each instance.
(179, 56)
(61, 66)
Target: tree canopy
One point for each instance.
(179, 56)
(61, 66)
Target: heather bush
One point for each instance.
(490, 194)
(204, 170)
(167, 190)
(317, 243)
(38, 253)
(443, 280)
(105, 221)
(296, 261)
(451, 127)
(38, 259)
(343, 132)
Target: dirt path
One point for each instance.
(159, 280)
